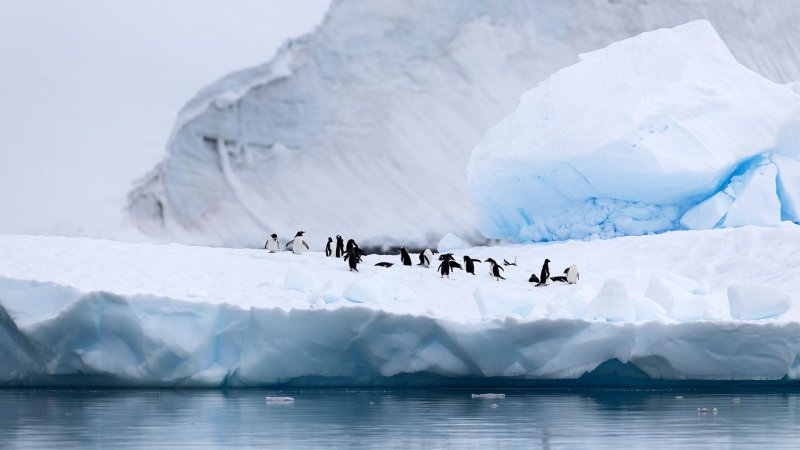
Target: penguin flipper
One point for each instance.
(306, 245)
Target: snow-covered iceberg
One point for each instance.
(364, 127)
(649, 134)
(689, 305)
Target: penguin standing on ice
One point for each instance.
(298, 243)
(339, 246)
(469, 263)
(353, 247)
(494, 269)
(404, 257)
(425, 257)
(545, 273)
(272, 243)
(353, 257)
(444, 267)
(329, 247)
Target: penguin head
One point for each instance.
(299, 233)
(338, 236)
(490, 260)
(546, 260)
(330, 239)
(465, 258)
(274, 236)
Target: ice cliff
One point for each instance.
(661, 131)
(713, 305)
(364, 127)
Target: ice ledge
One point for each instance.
(106, 339)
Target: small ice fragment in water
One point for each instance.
(678, 397)
(493, 405)
(707, 410)
(280, 399)
(488, 395)
(736, 400)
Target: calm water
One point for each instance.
(397, 419)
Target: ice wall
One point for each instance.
(380, 106)
(657, 132)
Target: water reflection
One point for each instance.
(396, 419)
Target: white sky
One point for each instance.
(89, 91)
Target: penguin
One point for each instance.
(298, 243)
(533, 278)
(425, 257)
(444, 266)
(353, 247)
(404, 257)
(470, 264)
(506, 263)
(454, 265)
(353, 258)
(559, 278)
(272, 243)
(329, 247)
(494, 269)
(545, 273)
(572, 274)
(384, 264)
(339, 246)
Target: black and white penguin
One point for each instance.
(559, 278)
(329, 247)
(353, 247)
(384, 264)
(533, 278)
(444, 266)
(298, 243)
(545, 273)
(470, 264)
(404, 257)
(506, 263)
(339, 246)
(494, 269)
(272, 243)
(572, 274)
(426, 257)
(352, 257)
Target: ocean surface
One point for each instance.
(401, 418)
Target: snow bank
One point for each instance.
(657, 132)
(380, 106)
(711, 305)
(448, 243)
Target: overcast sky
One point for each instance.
(89, 91)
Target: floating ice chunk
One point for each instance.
(678, 397)
(613, 303)
(489, 395)
(378, 288)
(707, 410)
(736, 400)
(301, 279)
(757, 301)
(449, 243)
(280, 399)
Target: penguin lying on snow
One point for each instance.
(470, 264)
(298, 243)
(506, 263)
(494, 269)
(571, 275)
(384, 264)
(404, 258)
(559, 278)
(272, 243)
(329, 247)
(339, 246)
(533, 278)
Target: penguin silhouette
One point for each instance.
(494, 269)
(272, 243)
(384, 264)
(445, 265)
(353, 258)
(404, 257)
(469, 263)
(545, 273)
(329, 247)
(425, 257)
(533, 278)
(339, 246)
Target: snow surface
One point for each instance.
(364, 127)
(672, 305)
(662, 130)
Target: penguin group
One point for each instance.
(351, 253)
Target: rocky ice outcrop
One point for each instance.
(364, 126)
(661, 131)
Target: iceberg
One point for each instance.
(103, 313)
(662, 131)
(364, 127)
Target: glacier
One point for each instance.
(657, 132)
(364, 127)
(680, 307)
